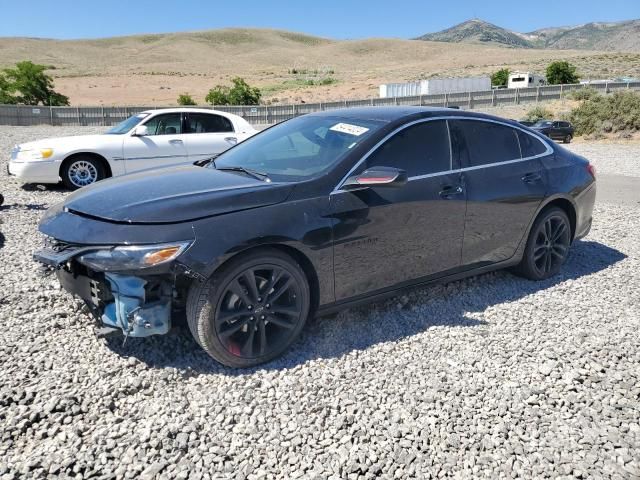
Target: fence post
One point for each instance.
(51, 114)
(493, 98)
(606, 87)
(469, 102)
(104, 121)
(561, 90)
(446, 100)
(628, 85)
(537, 94)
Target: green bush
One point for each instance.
(29, 85)
(186, 100)
(562, 73)
(585, 93)
(538, 113)
(500, 78)
(239, 94)
(619, 112)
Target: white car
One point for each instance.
(151, 139)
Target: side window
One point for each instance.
(420, 150)
(167, 124)
(208, 123)
(483, 142)
(529, 145)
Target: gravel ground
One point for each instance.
(611, 158)
(492, 377)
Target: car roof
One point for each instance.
(395, 113)
(178, 110)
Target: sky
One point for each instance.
(339, 19)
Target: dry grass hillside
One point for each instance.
(154, 69)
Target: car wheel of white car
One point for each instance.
(82, 171)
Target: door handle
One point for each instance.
(532, 178)
(175, 140)
(232, 140)
(450, 191)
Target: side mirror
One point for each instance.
(378, 177)
(141, 131)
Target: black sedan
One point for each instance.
(313, 215)
(556, 130)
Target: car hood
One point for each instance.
(65, 142)
(174, 195)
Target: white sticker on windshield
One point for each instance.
(349, 129)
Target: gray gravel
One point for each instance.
(611, 158)
(492, 377)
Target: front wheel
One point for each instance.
(547, 246)
(251, 310)
(567, 139)
(81, 172)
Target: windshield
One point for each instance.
(127, 125)
(542, 123)
(300, 148)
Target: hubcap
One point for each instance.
(82, 173)
(258, 311)
(552, 244)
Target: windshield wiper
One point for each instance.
(252, 173)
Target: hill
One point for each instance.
(612, 36)
(287, 66)
(479, 31)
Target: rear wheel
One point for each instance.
(251, 310)
(567, 139)
(82, 171)
(547, 246)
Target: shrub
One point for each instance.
(500, 78)
(562, 73)
(240, 94)
(538, 113)
(218, 95)
(186, 99)
(585, 93)
(619, 112)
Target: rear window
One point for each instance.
(487, 142)
(208, 123)
(530, 146)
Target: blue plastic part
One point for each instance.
(129, 311)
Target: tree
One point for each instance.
(562, 72)
(186, 99)
(6, 92)
(218, 95)
(32, 84)
(500, 78)
(240, 94)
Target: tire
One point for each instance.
(242, 326)
(567, 139)
(1, 199)
(82, 171)
(547, 246)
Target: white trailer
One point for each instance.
(435, 86)
(525, 80)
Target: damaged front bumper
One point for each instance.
(139, 306)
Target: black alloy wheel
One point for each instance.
(568, 138)
(547, 246)
(252, 310)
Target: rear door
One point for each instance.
(385, 236)
(208, 134)
(505, 183)
(164, 146)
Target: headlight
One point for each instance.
(31, 155)
(132, 257)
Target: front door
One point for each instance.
(164, 145)
(386, 237)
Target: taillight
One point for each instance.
(591, 169)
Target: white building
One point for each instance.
(435, 86)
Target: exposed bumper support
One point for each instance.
(130, 313)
